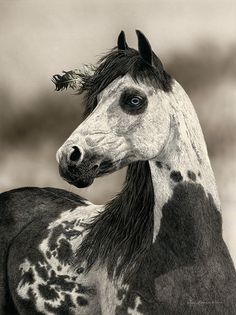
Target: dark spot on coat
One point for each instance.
(162, 165)
(71, 234)
(120, 294)
(140, 308)
(48, 254)
(57, 231)
(64, 251)
(85, 289)
(53, 273)
(62, 281)
(63, 309)
(69, 224)
(191, 175)
(176, 176)
(47, 292)
(28, 277)
(82, 301)
(42, 272)
(199, 174)
(128, 302)
(159, 164)
(80, 270)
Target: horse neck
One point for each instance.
(183, 167)
(161, 202)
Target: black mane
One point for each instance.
(116, 64)
(122, 234)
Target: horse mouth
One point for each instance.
(80, 179)
(82, 183)
(83, 175)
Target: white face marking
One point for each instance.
(70, 223)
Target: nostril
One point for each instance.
(76, 154)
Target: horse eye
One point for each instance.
(135, 101)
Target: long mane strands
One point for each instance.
(120, 237)
(116, 64)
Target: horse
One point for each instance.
(157, 246)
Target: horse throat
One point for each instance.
(121, 235)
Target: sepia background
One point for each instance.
(194, 39)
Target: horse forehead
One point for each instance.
(122, 83)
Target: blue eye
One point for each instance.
(135, 101)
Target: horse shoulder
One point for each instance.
(43, 227)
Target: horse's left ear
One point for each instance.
(144, 47)
(121, 42)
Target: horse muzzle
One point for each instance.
(77, 167)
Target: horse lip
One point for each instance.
(75, 179)
(82, 183)
(78, 182)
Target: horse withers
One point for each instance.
(157, 247)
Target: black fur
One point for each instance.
(121, 42)
(124, 230)
(188, 269)
(176, 176)
(159, 164)
(144, 47)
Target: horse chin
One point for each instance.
(82, 183)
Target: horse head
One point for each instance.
(128, 101)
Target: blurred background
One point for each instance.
(194, 39)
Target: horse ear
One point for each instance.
(144, 47)
(121, 42)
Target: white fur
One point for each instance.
(178, 152)
(108, 291)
